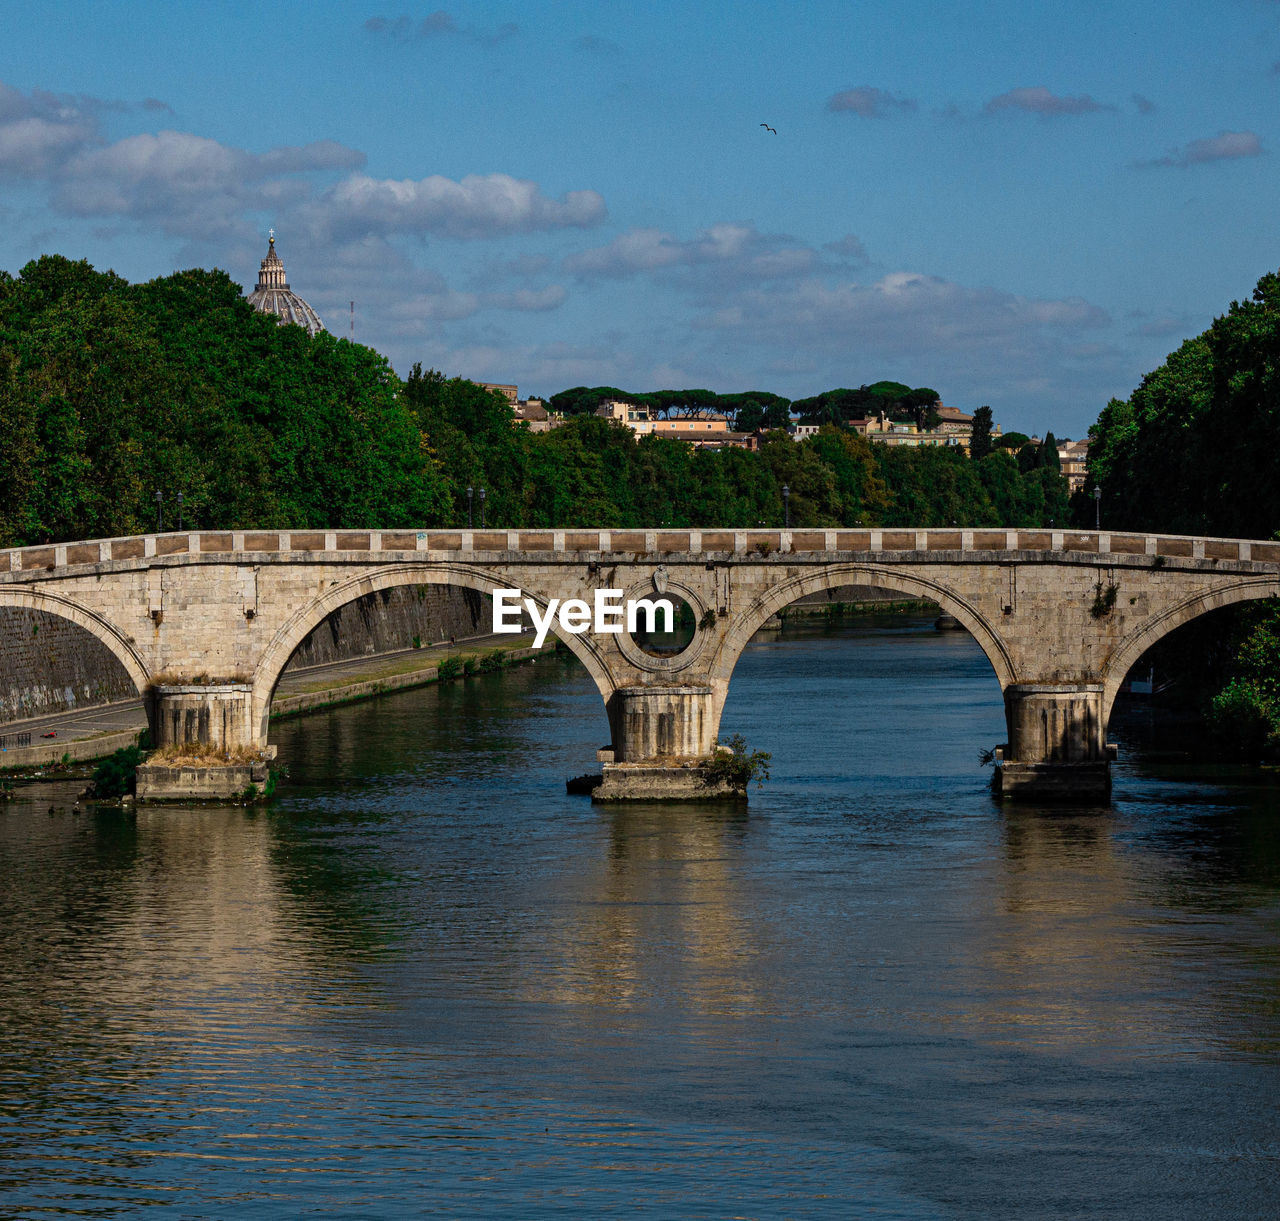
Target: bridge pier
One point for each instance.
(1057, 749)
(213, 716)
(660, 737)
(212, 722)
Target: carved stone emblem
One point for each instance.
(660, 579)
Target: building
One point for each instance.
(709, 431)
(274, 296)
(954, 430)
(634, 415)
(689, 426)
(526, 411)
(904, 433)
(1074, 457)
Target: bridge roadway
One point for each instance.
(204, 622)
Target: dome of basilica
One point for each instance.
(274, 296)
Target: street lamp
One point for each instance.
(159, 511)
(468, 506)
(786, 507)
(179, 511)
(1097, 507)
(482, 508)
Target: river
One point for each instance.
(426, 981)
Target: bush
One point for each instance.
(469, 666)
(451, 667)
(730, 764)
(490, 662)
(117, 774)
(1243, 719)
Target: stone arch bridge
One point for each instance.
(204, 622)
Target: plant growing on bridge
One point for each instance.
(729, 763)
(1104, 599)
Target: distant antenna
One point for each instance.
(353, 322)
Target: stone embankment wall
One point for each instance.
(50, 665)
(390, 620)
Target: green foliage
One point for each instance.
(1244, 721)
(111, 391)
(980, 444)
(449, 668)
(1196, 447)
(116, 775)
(1245, 714)
(1104, 600)
(730, 764)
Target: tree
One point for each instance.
(980, 443)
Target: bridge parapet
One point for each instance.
(955, 545)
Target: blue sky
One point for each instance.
(1021, 205)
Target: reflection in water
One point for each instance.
(663, 914)
(428, 979)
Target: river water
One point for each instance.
(428, 982)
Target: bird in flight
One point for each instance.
(768, 128)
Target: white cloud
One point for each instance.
(33, 146)
(188, 184)
(869, 102)
(39, 130)
(477, 206)
(1039, 100)
(1225, 146)
(734, 249)
(438, 25)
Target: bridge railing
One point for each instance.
(741, 543)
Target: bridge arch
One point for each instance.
(1131, 649)
(286, 640)
(120, 647)
(747, 623)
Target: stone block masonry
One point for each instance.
(1061, 615)
(50, 665)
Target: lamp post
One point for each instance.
(159, 511)
(1097, 507)
(482, 508)
(469, 506)
(786, 507)
(179, 511)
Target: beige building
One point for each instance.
(527, 411)
(1074, 455)
(953, 430)
(704, 432)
